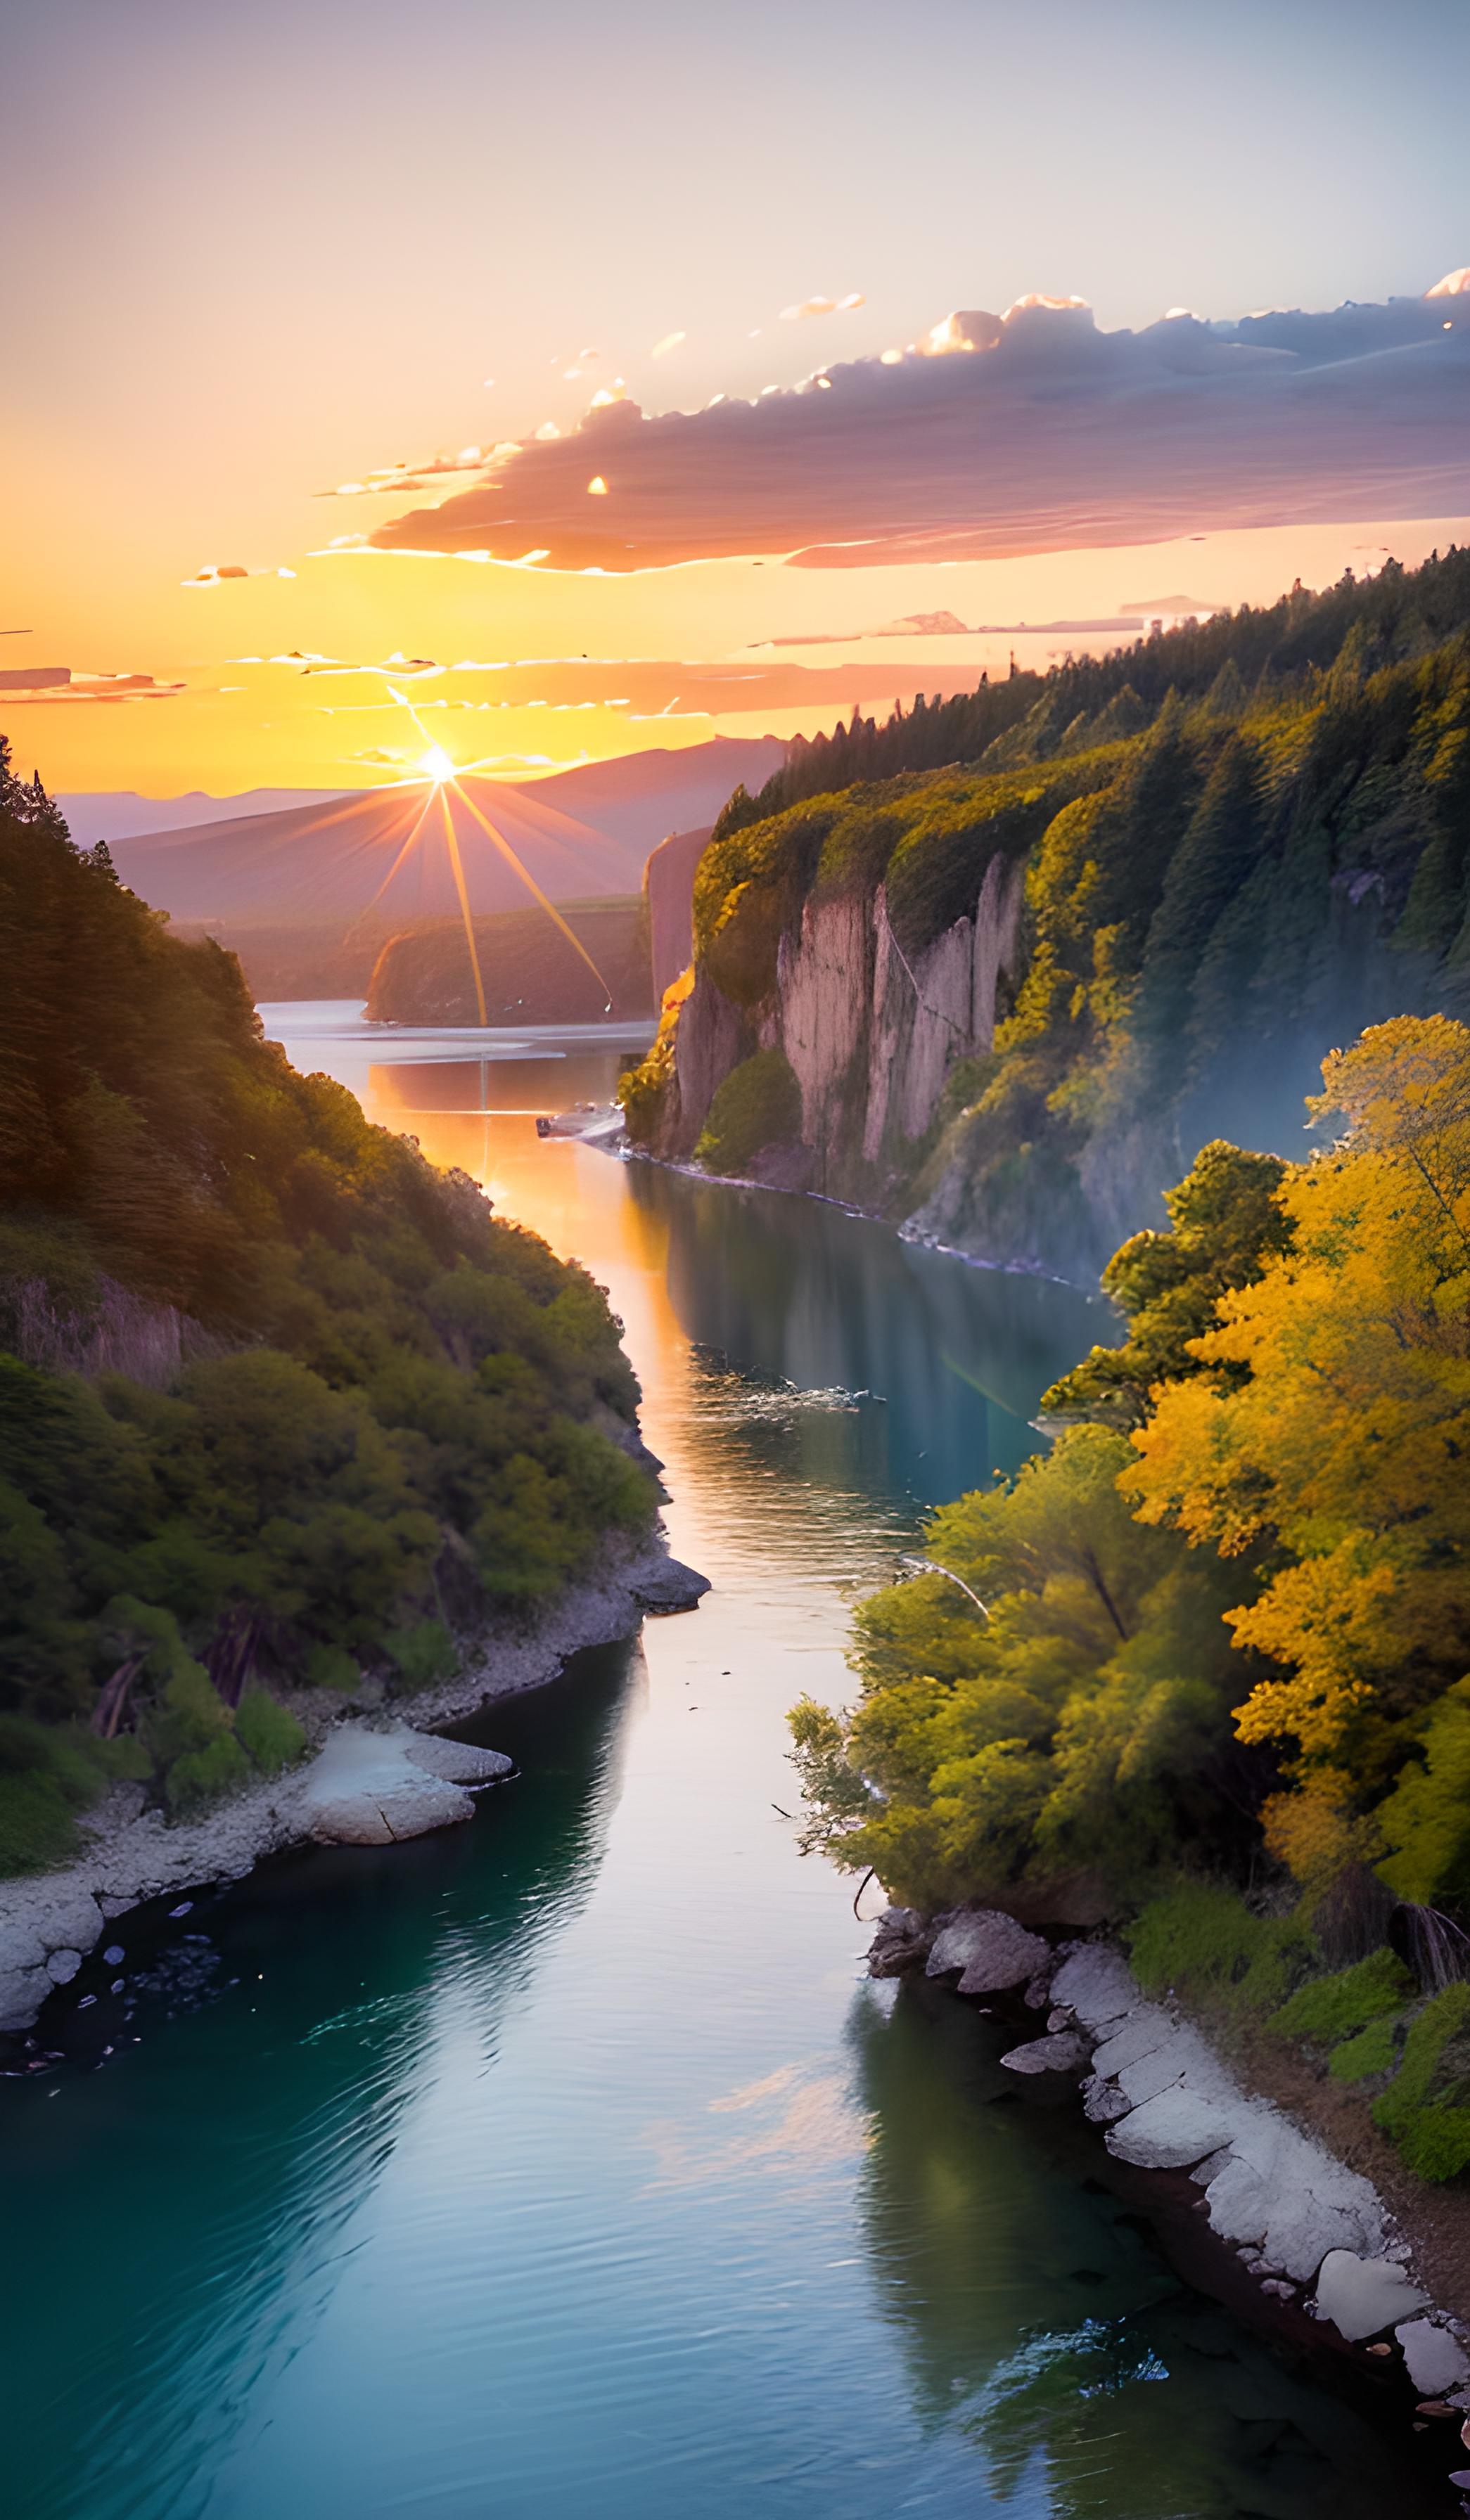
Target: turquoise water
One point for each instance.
(566, 2163)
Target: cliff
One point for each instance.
(1007, 1002)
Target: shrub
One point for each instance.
(422, 1654)
(46, 1774)
(1371, 2051)
(759, 1104)
(332, 1667)
(1331, 2009)
(1424, 2106)
(201, 1776)
(37, 1827)
(1204, 1943)
(268, 1731)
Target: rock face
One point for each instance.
(668, 890)
(988, 1949)
(871, 1032)
(372, 1788)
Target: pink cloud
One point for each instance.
(1001, 435)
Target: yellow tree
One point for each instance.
(1329, 1430)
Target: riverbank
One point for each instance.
(1318, 2241)
(50, 1921)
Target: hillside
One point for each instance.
(579, 832)
(529, 971)
(278, 1400)
(1010, 1000)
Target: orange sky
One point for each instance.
(251, 255)
(239, 725)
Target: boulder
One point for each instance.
(669, 1587)
(1175, 2128)
(1436, 2359)
(1061, 2052)
(989, 1950)
(1278, 2188)
(1361, 2295)
(902, 1942)
(1097, 1984)
(369, 1787)
(1103, 2102)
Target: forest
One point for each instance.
(1242, 843)
(279, 1402)
(1203, 1667)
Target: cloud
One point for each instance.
(393, 479)
(220, 571)
(823, 306)
(1000, 436)
(53, 685)
(670, 342)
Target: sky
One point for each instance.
(257, 255)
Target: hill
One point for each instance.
(579, 832)
(1011, 996)
(277, 1398)
(529, 972)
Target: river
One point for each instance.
(567, 2164)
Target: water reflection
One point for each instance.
(1040, 2320)
(564, 2164)
(187, 2212)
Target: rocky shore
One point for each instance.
(1314, 2235)
(374, 1777)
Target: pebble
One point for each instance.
(182, 1910)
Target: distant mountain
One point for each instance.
(580, 833)
(119, 813)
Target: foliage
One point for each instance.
(1331, 1438)
(1066, 1726)
(1202, 1942)
(1225, 1221)
(1426, 2107)
(1243, 844)
(758, 1104)
(265, 1375)
(1331, 2009)
(268, 1732)
(422, 1654)
(1366, 2053)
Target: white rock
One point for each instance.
(1097, 1984)
(1280, 2189)
(990, 1949)
(369, 1787)
(1168, 2132)
(1103, 2102)
(61, 1966)
(1139, 2033)
(1062, 2051)
(1361, 2295)
(1436, 2359)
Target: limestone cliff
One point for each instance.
(871, 1033)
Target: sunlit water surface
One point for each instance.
(566, 2163)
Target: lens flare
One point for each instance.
(435, 764)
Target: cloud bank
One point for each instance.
(1002, 435)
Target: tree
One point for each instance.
(1332, 1413)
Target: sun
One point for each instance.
(435, 764)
